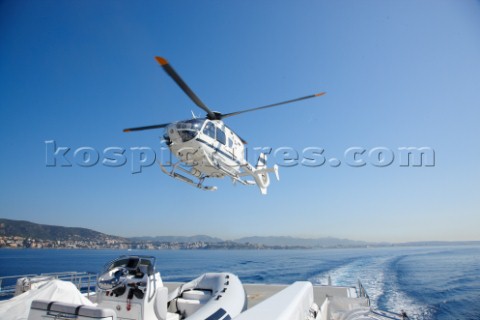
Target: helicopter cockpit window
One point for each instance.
(189, 129)
(221, 136)
(209, 130)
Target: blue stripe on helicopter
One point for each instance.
(220, 151)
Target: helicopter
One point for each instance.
(207, 148)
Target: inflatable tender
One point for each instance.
(210, 296)
(130, 288)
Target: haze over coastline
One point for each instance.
(25, 234)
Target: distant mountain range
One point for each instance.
(301, 242)
(266, 241)
(196, 238)
(26, 229)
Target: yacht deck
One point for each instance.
(257, 293)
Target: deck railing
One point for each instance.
(84, 281)
(362, 292)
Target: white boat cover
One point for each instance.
(17, 308)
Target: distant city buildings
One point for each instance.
(24, 234)
(17, 242)
(21, 242)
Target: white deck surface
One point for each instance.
(256, 293)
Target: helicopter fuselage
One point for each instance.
(209, 147)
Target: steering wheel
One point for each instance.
(112, 279)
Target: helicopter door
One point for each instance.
(222, 143)
(221, 136)
(231, 147)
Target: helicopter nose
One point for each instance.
(172, 132)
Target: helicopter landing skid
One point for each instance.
(176, 167)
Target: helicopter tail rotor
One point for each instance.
(261, 173)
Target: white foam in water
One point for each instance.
(371, 272)
(398, 300)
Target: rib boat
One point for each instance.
(130, 287)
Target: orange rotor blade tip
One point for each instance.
(320, 94)
(126, 130)
(161, 60)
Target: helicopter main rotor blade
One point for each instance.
(226, 115)
(174, 75)
(155, 126)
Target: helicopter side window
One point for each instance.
(209, 130)
(221, 136)
(230, 143)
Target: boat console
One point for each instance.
(129, 274)
(129, 285)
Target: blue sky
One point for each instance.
(396, 73)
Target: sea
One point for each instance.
(438, 282)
